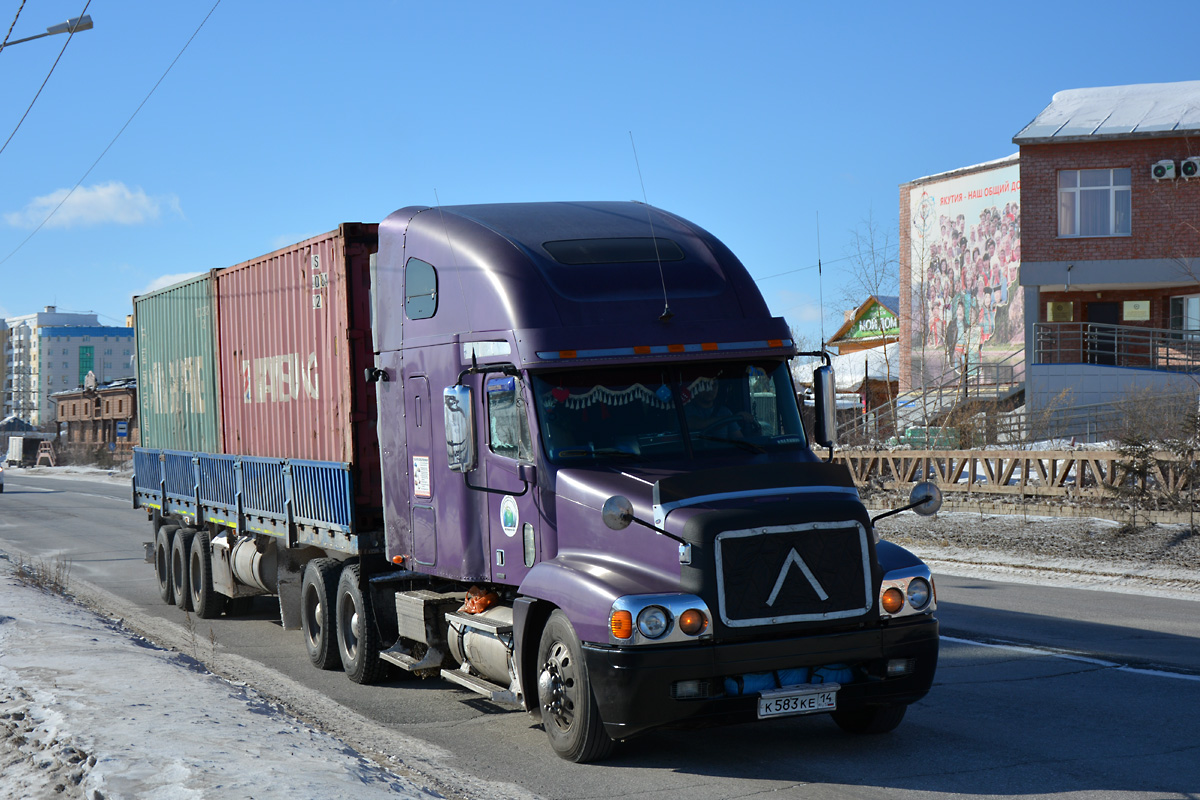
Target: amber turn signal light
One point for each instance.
(621, 624)
(892, 600)
(693, 622)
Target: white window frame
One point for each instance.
(1070, 228)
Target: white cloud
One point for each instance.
(164, 281)
(104, 203)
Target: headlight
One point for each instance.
(653, 622)
(907, 591)
(657, 619)
(918, 593)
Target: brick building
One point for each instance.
(1110, 193)
(97, 420)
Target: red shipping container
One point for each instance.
(294, 336)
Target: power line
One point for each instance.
(810, 266)
(8, 35)
(70, 36)
(118, 136)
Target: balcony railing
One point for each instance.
(1116, 346)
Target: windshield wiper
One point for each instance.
(576, 452)
(742, 443)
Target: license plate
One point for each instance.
(794, 700)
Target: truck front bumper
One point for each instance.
(634, 687)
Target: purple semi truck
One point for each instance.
(548, 451)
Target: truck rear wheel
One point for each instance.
(181, 551)
(354, 629)
(206, 602)
(162, 562)
(871, 719)
(317, 594)
(569, 713)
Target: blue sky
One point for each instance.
(753, 120)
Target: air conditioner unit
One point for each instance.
(1163, 170)
(1190, 167)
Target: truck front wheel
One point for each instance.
(357, 637)
(317, 593)
(871, 719)
(569, 713)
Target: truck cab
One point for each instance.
(598, 493)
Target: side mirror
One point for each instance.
(825, 407)
(926, 498)
(459, 415)
(617, 512)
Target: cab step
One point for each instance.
(434, 658)
(492, 691)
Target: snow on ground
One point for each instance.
(88, 710)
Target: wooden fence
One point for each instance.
(1080, 474)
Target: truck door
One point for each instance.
(419, 438)
(513, 521)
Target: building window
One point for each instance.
(1093, 202)
(1185, 315)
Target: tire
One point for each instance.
(318, 592)
(181, 551)
(206, 602)
(162, 562)
(355, 631)
(569, 712)
(870, 719)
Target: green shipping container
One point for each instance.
(178, 376)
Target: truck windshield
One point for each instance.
(671, 412)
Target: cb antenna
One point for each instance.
(820, 281)
(667, 312)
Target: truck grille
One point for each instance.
(793, 573)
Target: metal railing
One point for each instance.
(1116, 346)
(953, 388)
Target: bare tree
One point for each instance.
(874, 271)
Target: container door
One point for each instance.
(513, 519)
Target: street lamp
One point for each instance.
(73, 25)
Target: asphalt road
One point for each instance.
(1099, 699)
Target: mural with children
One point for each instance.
(966, 255)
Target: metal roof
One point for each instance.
(1116, 112)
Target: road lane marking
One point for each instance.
(1070, 656)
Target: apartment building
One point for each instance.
(50, 351)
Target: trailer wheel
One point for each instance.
(569, 712)
(181, 551)
(870, 720)
(162, 562)
(206, 601)
(357, 637)
(317, 595)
